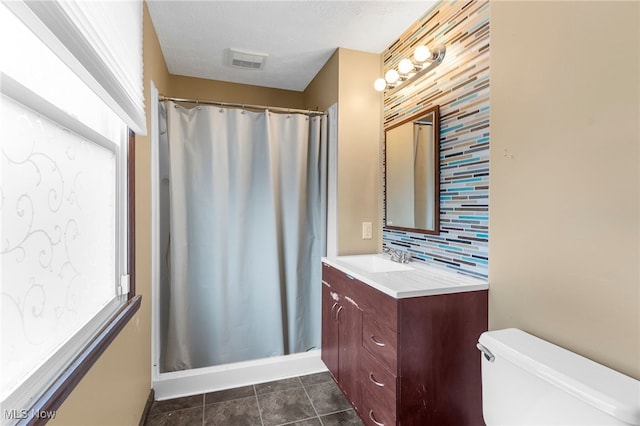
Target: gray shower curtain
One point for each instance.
(247, 230)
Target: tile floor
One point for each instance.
(313, 400)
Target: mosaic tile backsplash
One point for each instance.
(460, 85)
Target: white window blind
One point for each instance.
(31, 63)
(101, 41)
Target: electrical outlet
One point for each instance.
(366, 230)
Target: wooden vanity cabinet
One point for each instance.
(413, 360)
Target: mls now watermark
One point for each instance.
(28, 414)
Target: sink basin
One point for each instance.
(373, 263)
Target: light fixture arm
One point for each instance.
(437, 53)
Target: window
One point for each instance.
(64, 198)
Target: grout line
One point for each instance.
(311, 401)
(255, 394)
(339, 411)
(300, 420)
(320, 420)
(203, 401)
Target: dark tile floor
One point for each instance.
(313, 400)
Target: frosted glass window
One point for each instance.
(59, 237)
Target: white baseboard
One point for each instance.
(209, 379)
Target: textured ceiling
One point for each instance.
(299, 36)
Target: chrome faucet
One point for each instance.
(399, 256)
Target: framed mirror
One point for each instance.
(412, 170)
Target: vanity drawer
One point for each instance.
(378, 305)
(378, 410)
(333, 277)
(376, 379)
(381, 342)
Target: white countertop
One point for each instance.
(420, 280)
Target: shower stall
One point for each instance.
(240, 223)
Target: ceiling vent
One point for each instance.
(246, 60)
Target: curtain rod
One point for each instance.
(228, 104)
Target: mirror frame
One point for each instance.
(436, 171)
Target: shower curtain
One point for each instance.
(247, 230)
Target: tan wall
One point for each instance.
(347, 78)
(359, 157)
(115, 390)
(565, 221)
(322, 92)
(198, 88)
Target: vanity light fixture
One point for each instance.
(424, 60)
(392, 76)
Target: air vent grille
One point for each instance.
(240, 63)
(246, 60)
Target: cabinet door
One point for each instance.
(330, 335)
(350, 319)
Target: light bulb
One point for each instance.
(391, 76)
(405, 66)
(380, 84)
(422, 53)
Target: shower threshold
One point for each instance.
(220, 377)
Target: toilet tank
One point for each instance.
(528, 381)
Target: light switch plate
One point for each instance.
(366, 230)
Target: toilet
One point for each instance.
(529, 381)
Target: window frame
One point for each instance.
(52, 396)
(61, 29)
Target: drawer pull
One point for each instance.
(373, 419)
(338, 313)
(333, 317)
(377, 342)
(374, 381)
